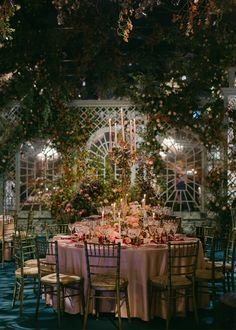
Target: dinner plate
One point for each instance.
(64, 236)
(161, 246)
(190, 239)
(154, 246)
(79, 244)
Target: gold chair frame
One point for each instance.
(179, 281)
(103, 268)
(54, 283)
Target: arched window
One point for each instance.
(98, 147)
(38, 165)
(182, 177)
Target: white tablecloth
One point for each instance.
(138, 264)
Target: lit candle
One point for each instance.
(143, 203)
(114, 210)
(122, 124)
(110, 140)
(134, 134)
(102, 220)
(126, 199)
(115, 135)
(119, 224)
(153, 215)
(144, 197)
(131, 137)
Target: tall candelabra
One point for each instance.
(123, 152)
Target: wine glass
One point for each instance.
(71, 227)
(174, 227)
(152, 230)
(159, 232)
(167, 227)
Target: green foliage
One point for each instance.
(161, 69)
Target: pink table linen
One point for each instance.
(138, 264)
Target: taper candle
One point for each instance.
(110, 139)
(131, 135)
(119, 224)
(122, 124)
(134, 122)
(115, 135)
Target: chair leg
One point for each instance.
(38, 300)
(82, 300)
(62, 302)
(169, 309)
(195, 307)
(97, 301)
(153, 300)
(14, 294)
(86, 309)
(21, 295)
(34, 285)
(150, 290)
(224, 286)
(118, 309)
(127, 304)
(59, 307)
(232, 280)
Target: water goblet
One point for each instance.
(174, 227)
(71, 227)
(159, 231)
(152, 231)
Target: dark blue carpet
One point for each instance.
(10, 318)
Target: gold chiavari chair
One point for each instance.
(52, 282)
(25, 274)
(55, 229)
(179, 281)
(103, 268)
(211, 280)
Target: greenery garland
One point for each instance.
(163, 70)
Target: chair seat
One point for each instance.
(51, 279)
(31, 262)
(106, 282)
(206, 275)
(177, 281)
(219, 265)
(33, 271)
(228, 267)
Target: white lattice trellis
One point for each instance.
(182, 177)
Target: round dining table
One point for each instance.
(138, 265)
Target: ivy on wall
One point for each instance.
(173, 76)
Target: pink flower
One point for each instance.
(127, 240)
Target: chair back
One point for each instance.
(233, 218)
(29, 226)
(47, 256)
(103, 259)
(55, 229)
(182, 259)
(24, 249)
(216, 252)
(231, 249)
